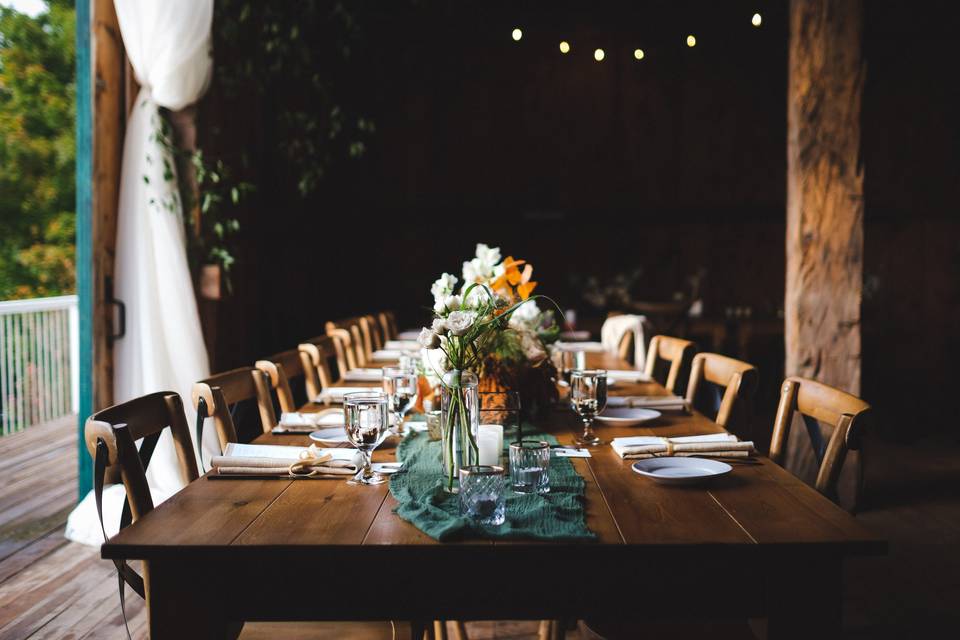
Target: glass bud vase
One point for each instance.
(459, 420)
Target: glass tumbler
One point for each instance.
(530, 466)
(481, 494)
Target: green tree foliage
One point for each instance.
(37, 154)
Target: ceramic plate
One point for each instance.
(678, 470)
(330, 435)
(627, 416)
(386, 468)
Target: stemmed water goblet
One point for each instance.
(366, 420)
(400, 385)
(588, 397)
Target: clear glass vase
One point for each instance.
(459, 420)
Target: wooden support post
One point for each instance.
(824, 239)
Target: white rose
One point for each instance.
(439, 326)
(460, 322)
(476, 297)
(526, 316)
(452, 303)
(428, 339)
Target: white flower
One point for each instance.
(442, 288)
(428, 339)
(439, 326)
(482, 266)
(488, 255)
(439, 305)
(526, 316)
(460, 322)
(478, 295)
(452, 303)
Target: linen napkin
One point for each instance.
(627, 375)
(401, 345)
(335, 394)
(298, 422)
(662, 403)
(285, 461)
(410, 335)
(363, 375)
(715, 445)
(588, 347)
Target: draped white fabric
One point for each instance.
(168, 43)
(615, 327)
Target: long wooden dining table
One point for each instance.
(756, 543)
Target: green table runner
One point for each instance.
(418, 487)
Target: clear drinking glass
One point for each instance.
(481, 494)
(588, 397)
(366, 420)
(530, 466)
(400, 385)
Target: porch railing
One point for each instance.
(39, 365)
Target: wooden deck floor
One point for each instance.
(52, 588)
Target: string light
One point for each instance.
(517, 34)
(756, 20)
(638, 54)
(564, 46)
(598, 55)
(691, 41)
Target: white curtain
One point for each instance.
(613, 330)
(168, 43)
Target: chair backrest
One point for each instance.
(373, 329)
(351, 338)
(622, 335)
(676, 351)
(388, 324)
(315, 355)
(121, 425)
(279, 368)
(738, 378)
(820, 403)
(220, 392)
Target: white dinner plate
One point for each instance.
(680, 470)
(330, 435)
(386, 468)
(627, 416)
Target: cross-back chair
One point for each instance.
(388, 325)
(820, 403)
(377, 337)
(351, 337)
(739, 380)
(315, 355)
(279, 369)
(217, 395)
(678, 352)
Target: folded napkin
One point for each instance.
(627, 375)
(308, 422)
(402, 345)
(589, 347)
(275, 460)
(363, 375)
(410, 335)
(382, 355)
(335, 394)
(715, 445)
(663, 403)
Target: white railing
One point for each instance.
(39, 365)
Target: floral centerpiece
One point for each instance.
(490, 333)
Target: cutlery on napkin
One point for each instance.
(298, 422)
(714, 445)
(363, 375)
(663, 403)
(273, 460)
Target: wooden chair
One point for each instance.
(820, 403)
(278, 369)
(739, 380)
(223, 391)
(388, 325)
(377, 338)
(351, 337)
(315, 355)
(678, 352)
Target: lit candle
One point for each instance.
(490, 443)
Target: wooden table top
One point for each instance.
(756, 507)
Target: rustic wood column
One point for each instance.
(824, 239)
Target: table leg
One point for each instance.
(806, 601)
(181, 605)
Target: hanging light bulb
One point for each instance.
(756, 20)
(638, 54)
(517, 34)
(598, 55)
(564, 46)
(691, 41)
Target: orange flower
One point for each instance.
(511, 274)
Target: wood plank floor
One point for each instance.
(52, 588)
